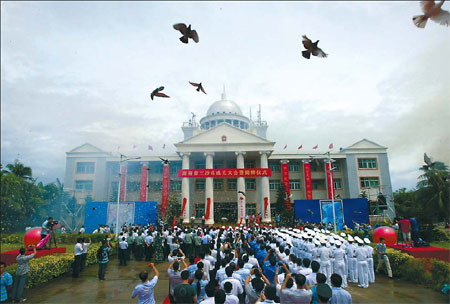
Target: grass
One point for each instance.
(442, 244)
(9, 247)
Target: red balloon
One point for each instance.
(32, 236)
(387, 233)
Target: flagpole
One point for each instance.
(332, 190)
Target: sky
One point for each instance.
(77, 72)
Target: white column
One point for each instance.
(240, 187)
(185, 188)
(265, 191)
(209, 189)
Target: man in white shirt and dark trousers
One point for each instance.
(84, 254)
(78, 251)
(123, 245)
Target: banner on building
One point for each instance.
(330, 181)
(123, 182)
(242, 207)
(199, 173)
(165, 189)
(308, 182)
(143, 187)
(266, 205)
(183, 208)
(285, 177)
(208, 208)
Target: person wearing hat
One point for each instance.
(351, 261)
(370, 260)
(325, 255)
(324, 293)
(363, 269)
(339, 263)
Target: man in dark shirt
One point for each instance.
(184, 292)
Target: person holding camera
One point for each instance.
(22, 273)
(46, 229)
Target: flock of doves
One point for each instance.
(430, 9)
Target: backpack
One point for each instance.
(100, 253)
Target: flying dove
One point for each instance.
(432, 11)
(427, 161)
(157, 92)
(199, 86)
(187, 32)
(312, 48)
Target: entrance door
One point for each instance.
(225, 212)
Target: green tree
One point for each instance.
(19, 170)
(280, 203)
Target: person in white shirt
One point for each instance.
(363, 269)
(210, 290)
(237, 287)
(82, 230)
(311, 278)
(78, 250)
(145, 289)
(84, 254)
(339, 263)
(370, 260)
(339, 295)
(324, 253)
(123, 245)
(230, 297)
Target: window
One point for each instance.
(370, 182)
(250, 184)
(174, 167)
(318, 184)
(133, 186)
(199, 210)
(133, 168)
(200, 184)
(250, 209)
(236, 123)
(155, 186)
(213, 123)
(83, 185)
(232, 184)
(219, 121)
(294, 167)
(294, 184)
(274, 184)
(337, 183)
(367, 163)
(175, 185)
(317, 166)
(218, 164)
(275, 166)
(231, 163)
(85, 167)
(337, 166)
(155, 167)
(200, 164)
(218, 184)
(249, 164)
(241, 124)
(228, 121)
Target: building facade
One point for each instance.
(227, 139)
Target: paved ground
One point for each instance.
(120, 282)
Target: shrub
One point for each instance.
(66, 238)
(49, 267)
(440, 272)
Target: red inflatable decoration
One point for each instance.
(387, 233)
(32, 236)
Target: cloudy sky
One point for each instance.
(76, 72)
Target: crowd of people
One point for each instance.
(261, 265)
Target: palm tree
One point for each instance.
(424, 178)
(19, 170)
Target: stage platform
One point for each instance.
(425, 252)
(9, 257)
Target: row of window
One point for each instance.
(236, 123)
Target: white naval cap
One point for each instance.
(338, 243)
(350, 238)
(366, 240)
(343, 234)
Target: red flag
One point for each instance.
(174, 221)
(330, 146)
(285, 146)
(299, 147)
(150, 147)
(164, 146)
(316, 146)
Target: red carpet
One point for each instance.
(422, 252)
(9, 257)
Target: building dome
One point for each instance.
(224, 107)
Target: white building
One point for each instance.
(225, 138)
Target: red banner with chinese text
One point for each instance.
(266, 204)
(308, 182)
(208, 208)
(123, 182)
(285, 177)
(242, 207)
(330, 182)
(143, 186)
(183, 207)
(165, 189)
(199, 173)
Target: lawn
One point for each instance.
(9, 247)
(442, 244)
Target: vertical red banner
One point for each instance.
(143, 187)
(165, 189)
(266, 204)
(208, 208)
(183, 207)
(123, 182)
(308, 182)
(330, 182)
(285, 177)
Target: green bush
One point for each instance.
(12, 238)
(65, 238)
(49, 267)
(440, 272)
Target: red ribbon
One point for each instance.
(266, 204)
(208, 207)
(184, 205)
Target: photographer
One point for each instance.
(46, 229)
